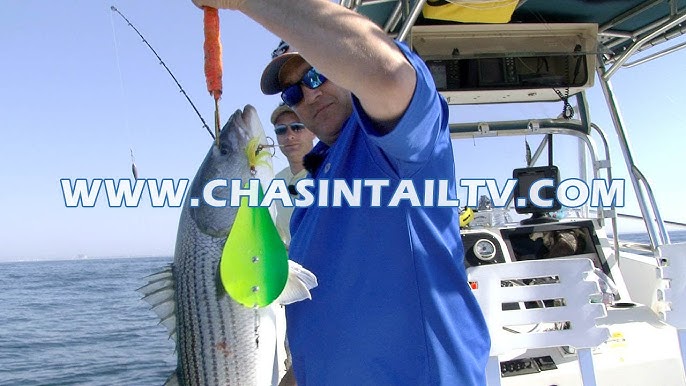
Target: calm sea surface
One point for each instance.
(81, 322)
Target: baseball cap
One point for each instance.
(281, 109)
(269, 83)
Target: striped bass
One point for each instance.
(219, 341)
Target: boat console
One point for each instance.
(516, 242)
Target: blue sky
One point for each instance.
(79, 89)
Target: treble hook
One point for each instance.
(271, 146)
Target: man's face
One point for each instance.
(293, 144)
(323, 110)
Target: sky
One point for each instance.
(79, 89)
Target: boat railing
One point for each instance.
(644, 196)
(655, 225)
(539, 127)
(606, 164)
(575, 128)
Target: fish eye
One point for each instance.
(223, 150)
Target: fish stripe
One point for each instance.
(207, 273)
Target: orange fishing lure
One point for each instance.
(213, 52)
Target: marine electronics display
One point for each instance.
(526, 177)
(482, 64)
(507, 72)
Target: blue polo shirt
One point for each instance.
(393, 306)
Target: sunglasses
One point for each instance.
(295, 127)
(293, 94)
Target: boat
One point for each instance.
(567, 302)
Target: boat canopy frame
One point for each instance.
(625, 28)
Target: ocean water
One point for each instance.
(674, 237)
(81, 322)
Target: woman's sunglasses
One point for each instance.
(293, 94)
(280, 129)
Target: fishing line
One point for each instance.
(113, 8)
(134, 169)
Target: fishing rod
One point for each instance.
(113, 8)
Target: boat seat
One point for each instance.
(567, 281)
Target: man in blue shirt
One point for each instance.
(393, 306)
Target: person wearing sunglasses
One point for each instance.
(393, 305)
(295, 141)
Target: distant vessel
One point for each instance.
(81, 256)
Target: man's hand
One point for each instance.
(288, 379)
(220, 4)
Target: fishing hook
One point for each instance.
(271, 146)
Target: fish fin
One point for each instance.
(173, 380)
(300, 282)
(159, 293)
